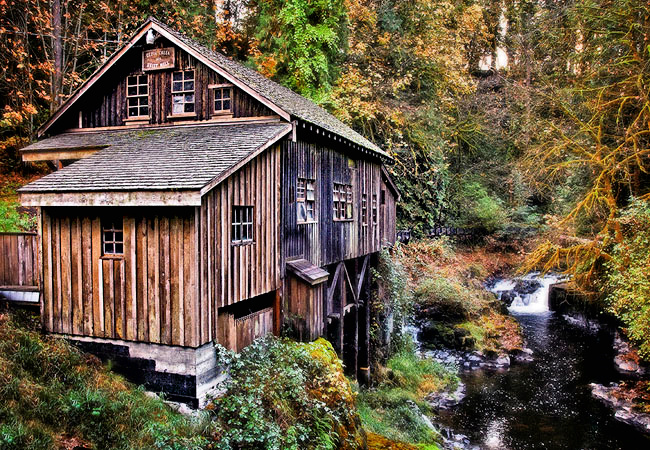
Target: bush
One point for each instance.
(287, 395)
(628, 276)
(480, 210)
(442, 298)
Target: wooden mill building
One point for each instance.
(200, 203)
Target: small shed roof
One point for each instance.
(307, 271)
(155, 159)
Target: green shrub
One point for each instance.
(286, 395)
(441, 297)
(479, 209)
(628, 276)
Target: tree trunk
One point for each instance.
(57, 53)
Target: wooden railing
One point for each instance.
(405, 236)
(20, 267)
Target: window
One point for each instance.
(306, 200)
(113, 237)
(222, 100)
(364, 209)
(374, 209)
(342, 199)
(183, 92)
(137, 96)
(383, 196)
(242, 225)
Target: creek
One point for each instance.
(545, 403)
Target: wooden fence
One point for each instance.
(405, 236)
(19, 262)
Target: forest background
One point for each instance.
(510, 117)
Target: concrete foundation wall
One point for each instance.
(184, 374)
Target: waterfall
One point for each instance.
(528, 294)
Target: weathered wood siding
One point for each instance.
(19, 260)
(305, 305)
(388, 219)
(150, 294)
(230, 273)
(328, 241)
(237, 333)
(105, 104)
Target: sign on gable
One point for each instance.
(158, 59)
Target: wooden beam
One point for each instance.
(117, 198)
(58, 154)
(361, 276)
(332, 287)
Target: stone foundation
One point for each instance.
(183, 374)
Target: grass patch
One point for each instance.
(394, 408)
(52, 396)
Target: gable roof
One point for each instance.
(280, 99)
(184, 158)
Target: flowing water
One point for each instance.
(547, 403)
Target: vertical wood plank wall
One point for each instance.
(149, 295)
(231, 273)
(305, 303)
(328, 241)
(106, 105)
(19, 260)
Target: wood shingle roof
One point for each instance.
(155, 159)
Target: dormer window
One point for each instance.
(137, 95)
(183, 93)
(222, 97)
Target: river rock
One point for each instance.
(524, 355)
(525, 287)
(623, 410)
(446, 400)
(627, 358)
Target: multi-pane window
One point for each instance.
(364, 209)
(306, 200)
(342, 201)
(137, 96)
(375, 215)
(183, 92)
(242, 224)
(222, 100)
(113, 237)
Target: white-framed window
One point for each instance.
(342, 201)
(306, 200)
(183, 92)
(242, 225)
(137, 96)
(222, 96)
(364, 209)
(113, 236)
(375, 214)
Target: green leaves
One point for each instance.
(301, 43)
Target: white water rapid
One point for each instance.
(528, 295)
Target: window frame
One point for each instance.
(242, 224)
(342, 202)
(364, 209)
(184, 92)
(375, 209)
(221, 88)
(114, 231)
(307, 196)
(137, 96)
